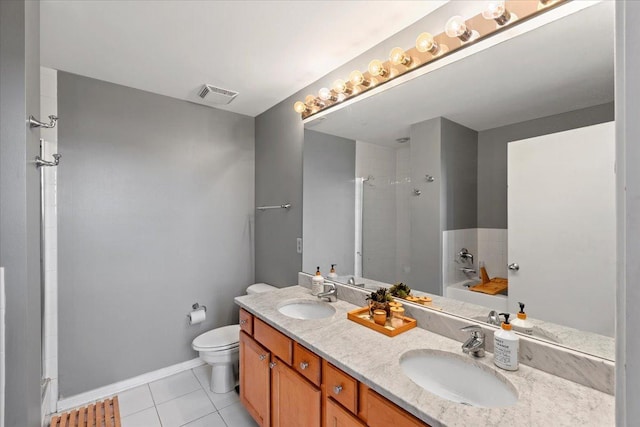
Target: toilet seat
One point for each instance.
(220, 339)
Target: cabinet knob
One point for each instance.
(337, 389)
(272, 365)
(243, 321)
(304, 365)
(263, 356)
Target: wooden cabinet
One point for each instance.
(278, 343)
(246, 322)
(337, 416)
(255, 379)
(295, 401)
(383, 413)
(283, 384)
(307, 364)
(340, 386)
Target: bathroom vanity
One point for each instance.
(333, 372)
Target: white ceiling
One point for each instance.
(562, 66)
(266, 50)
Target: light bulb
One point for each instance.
(357, 78)
(326, 95)
(399, 57)
(340, 86)
(497, 11)
(376, 68)
(299, 107)
(426, 43)
(456, 27)
(310, 100)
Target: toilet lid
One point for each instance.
(221, 338)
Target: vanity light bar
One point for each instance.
(459, 33)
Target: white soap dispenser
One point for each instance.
(332, 274)
(505, 346)
(317, 283)
(520, 323)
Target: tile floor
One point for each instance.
(183, 399)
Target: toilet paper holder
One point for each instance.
(197, 307)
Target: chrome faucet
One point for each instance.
(352, 282)
(465, 255)
(493, 318)
(331, 295)
(474, 346)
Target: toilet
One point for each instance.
(219, 348)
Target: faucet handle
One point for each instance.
(476, 330)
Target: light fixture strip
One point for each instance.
(523, 9)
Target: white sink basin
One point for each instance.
(305, 309)
(458, 378)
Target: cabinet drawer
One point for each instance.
(337, 416)
(340, 386)
(246, 322)
(307, 364)
(279, 344)
(383, 413)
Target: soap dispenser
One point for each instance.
(520, 323)
(317, 283)
(332, 274)
(505, 346)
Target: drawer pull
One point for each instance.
(304, 365)
(272, 365)
(263, 356)
(337, 389)
(243, 321)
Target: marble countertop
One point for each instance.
(373, 358)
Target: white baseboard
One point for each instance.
(115, 388)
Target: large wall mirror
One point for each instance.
(507, 153)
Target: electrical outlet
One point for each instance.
(299, 245)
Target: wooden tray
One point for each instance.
(361, 316)
(497, 285)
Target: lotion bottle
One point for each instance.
(505, 346)
(332, 274)
(521, 324)
(317, 283)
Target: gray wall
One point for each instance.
(459, 175)
(426, 255)
(19, 208)
(279, 140)
(155, 204)
(628, 198)
(492, 156)
(329, 199)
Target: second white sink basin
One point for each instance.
(458, 379)
(305, 309)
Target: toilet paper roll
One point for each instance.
(197, 316)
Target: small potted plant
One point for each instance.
(400, 290)
(380, 300)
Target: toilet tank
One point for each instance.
(258, 288)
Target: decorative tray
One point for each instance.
(362, 316)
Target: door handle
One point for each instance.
(514, 267)
(304, 365)
(272, 365)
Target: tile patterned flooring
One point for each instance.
(183, 399)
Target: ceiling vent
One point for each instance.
(217, 95)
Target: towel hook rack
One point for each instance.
(282, 206)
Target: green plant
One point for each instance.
(400, 290)
(381, 295)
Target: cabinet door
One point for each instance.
(337, 416)
(254, 379)
(383, 413)
(295, 401)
